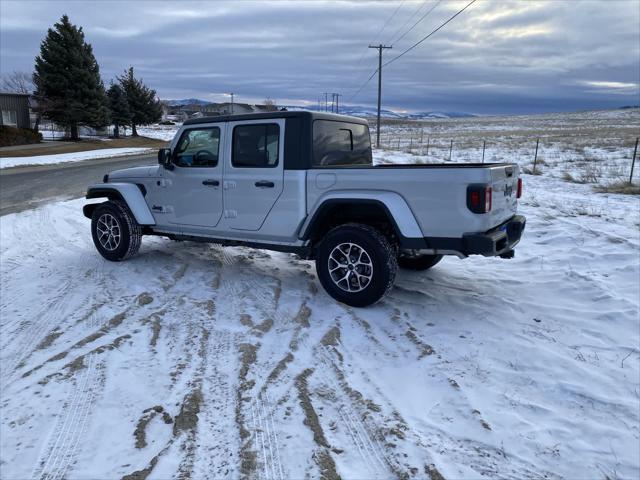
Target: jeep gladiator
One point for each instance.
(305, 183)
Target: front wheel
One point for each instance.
(115, 232)
(356, 264)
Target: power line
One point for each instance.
(386, 23)
(432, 32)
(411, 48)
(411, 17)
(420, 20)
(363, 85)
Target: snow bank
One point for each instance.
(523, 368)
(6, 162)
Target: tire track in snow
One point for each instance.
(60, 450)
(367, 445)
(216, 456)
(266, 437)
(25, 341)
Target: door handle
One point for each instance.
(213, 183)
(265, 184)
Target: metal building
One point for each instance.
(14, 110)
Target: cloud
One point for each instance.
(498, 56)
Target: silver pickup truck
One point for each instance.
(305, 183)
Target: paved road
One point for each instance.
(22, 188)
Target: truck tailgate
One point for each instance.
(504, 184)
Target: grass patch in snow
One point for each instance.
(622, 187)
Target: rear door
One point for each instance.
(193, 189)
(253, 175)
(504, 185)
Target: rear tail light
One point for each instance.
(519, 188)
(479, 198)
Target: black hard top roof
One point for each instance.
(305, 114)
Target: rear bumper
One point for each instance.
(497, 241)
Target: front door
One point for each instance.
(194, 186)
(254, 174)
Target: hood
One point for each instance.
(135, 172)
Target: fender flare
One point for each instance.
(394, 205)
(129, 193)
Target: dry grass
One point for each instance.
(531, 171)
(85, 144)
(622, 187)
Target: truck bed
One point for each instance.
(435, 193)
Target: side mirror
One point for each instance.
(164, 158)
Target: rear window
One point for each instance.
(340, 144)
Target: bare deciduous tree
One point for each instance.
(270, 104)
(17, 82)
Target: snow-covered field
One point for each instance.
(7, 162)
(196, 361)
(159, 132)
(586, 147)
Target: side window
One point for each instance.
(198, 147)
(9, 117)
(256, 146)
(340, 144)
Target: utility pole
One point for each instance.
(338, 95)
(326, 99)
(379, 48)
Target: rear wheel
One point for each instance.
(356, 264)
(115, 232)
(411, 260)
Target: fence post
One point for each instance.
(450, 149)
(421, 138)
(428, 145)
(535, 157)
(398, 143)
(484, 145)
(633, 162)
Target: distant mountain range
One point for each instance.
(186, 101)
(361, 111)
(354, 110)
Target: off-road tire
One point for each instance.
(381, 252)
(422, 262)
(130, 231)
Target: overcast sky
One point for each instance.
(496, 57)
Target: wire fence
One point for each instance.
(581, 157)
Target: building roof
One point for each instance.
(278, 114)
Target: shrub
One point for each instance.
(591, 173)
(623, 187)
(17, 136)
(529, 171)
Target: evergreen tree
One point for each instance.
(144, 106)
(67, 78)
(119, 108)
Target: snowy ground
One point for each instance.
(159, 132)
(7, 162)
(192, 360)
